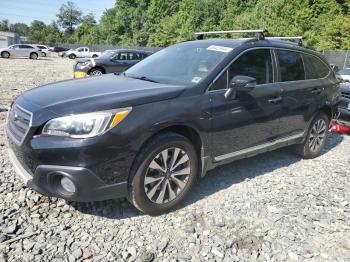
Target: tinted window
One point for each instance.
(121, 56)
(26, 46)
(291, 66)
(134, 56)
(255, 63)
(314, 67)
(41, 47)
(221, 83)
(144, 55)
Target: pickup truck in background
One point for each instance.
(81, 52)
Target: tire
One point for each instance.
(94, 56)
(33, 56)
(5, 54)
(96, 72)
(72, 56)
(44, 54)
(147, 182)
(312, 147)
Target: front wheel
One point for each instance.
(163, 174)
(72, 56)
(96, 72)
(5, 54)
(316, 137)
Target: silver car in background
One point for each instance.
(21, 50)
(44, 49)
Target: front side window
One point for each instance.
(256, 63)
(291, 66)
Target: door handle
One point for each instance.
(316, 91)
(275, 100)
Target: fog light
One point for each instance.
(68, 185)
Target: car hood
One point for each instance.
(98, 93)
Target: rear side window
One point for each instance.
(291, 66)
(134, 56)
(315, 68)
(256, 63)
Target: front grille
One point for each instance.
(345, 95)
(18, 123)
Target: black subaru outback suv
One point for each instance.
(149, 133)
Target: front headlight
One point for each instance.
(84, 64)
(85, 125)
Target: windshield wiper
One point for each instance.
(144, 78)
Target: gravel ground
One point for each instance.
(273, 207)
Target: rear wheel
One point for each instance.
(33, 56)
(316, 137)
(96, 72)
(163, 173)
(5, 54)
(94, 56)
(72, 56)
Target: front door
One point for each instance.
(120, 62)
(252, 117)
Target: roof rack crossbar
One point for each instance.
(259, 33)
(230, 32)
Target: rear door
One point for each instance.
(303, 82)
(252, 118)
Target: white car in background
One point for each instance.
(344, 75)
(81, 52)
(21, 50)
(46, 51)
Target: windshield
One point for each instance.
(182, 64)
(344, 72)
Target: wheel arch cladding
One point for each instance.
(327, 110)
(190, 133)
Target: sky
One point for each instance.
(26, 11)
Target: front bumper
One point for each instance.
(46, 181)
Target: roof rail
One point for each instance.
(259, 33)
(297, 39)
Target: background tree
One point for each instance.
(4, 25)
(37, 31)
(69, 16)
(87, 32)
(20, 28)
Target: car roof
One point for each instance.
(258, 43)
(133, 50)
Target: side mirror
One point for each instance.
(240, 83)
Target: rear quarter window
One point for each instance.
(291, 66)
(315, 68)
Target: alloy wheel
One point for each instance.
(167, 175)
(317, 135)
(96, 73)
